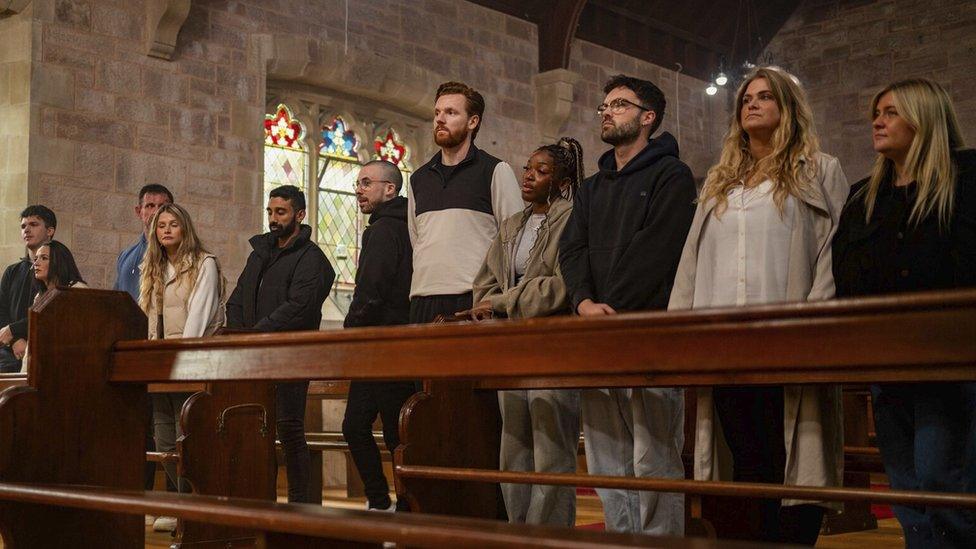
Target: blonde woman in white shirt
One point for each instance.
(181, 291)
(761, 234)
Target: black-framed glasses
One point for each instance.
(618, 106)
(365, 183)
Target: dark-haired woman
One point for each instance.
(911, 226)
(520, 279)
(53, 266)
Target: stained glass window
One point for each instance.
(389, 147)
(338, 140)
(340, 224)
(285, 158)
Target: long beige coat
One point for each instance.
(813, 430)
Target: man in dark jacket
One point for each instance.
(382, 298)
(619, 253)
(17, 290)
(282, 288)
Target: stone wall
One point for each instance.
(15, 50)
(844, 51)
(107, 118)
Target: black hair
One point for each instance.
(390, 172)
(567, 156)
(43, 213)
(155, 188)
(650, 95)
(62, 267)
(290, 193)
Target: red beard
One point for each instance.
(450, 140)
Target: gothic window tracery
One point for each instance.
(328, 176)
(285, 158)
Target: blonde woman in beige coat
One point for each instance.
(761, 234)
(520, 279)
(181, 291)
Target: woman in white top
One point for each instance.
(53, 266)
(181, 291)
(761, 234)
(520, 278)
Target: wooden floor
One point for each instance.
(588, 511)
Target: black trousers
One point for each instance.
(367, 399)
(424, 309)
(290, 409)
(752, 422)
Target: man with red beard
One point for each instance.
(456, 202)
(619, 253)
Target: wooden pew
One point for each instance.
(282, 526)
(853, 342)
(454, 423)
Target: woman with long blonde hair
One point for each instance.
(909, 226)
(761, 234)
(181, 291)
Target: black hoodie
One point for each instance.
(624, 240)
(281, 289)
(382, 296)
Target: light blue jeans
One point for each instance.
(540, 432)
(637, 433)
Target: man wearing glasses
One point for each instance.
(619, 253)
(381, 298)
(457, 201)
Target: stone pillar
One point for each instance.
(553, 101)
(15, 77)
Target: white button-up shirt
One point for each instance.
(743, 255)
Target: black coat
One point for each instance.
(382, 296)
(16, 296)
(889, 255)
(281, 290)
(628, 227)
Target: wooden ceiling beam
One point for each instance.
(557, 28)
(661, 26)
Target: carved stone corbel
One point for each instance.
(553, 100)
(354, 72)
(166, 18)
(12, 7)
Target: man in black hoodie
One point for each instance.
(382, 298)
(619, 253)
(282, 288)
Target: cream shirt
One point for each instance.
(744, 254)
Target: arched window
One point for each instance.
(339, 221)
(391, 148)
(285, 158)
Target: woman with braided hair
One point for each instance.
(520, 279)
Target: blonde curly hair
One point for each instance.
(794, 141)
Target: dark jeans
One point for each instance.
(425, 308)
(752, 422)
(366, 400)
(9, 364)
(927, 436)
(290, 409)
